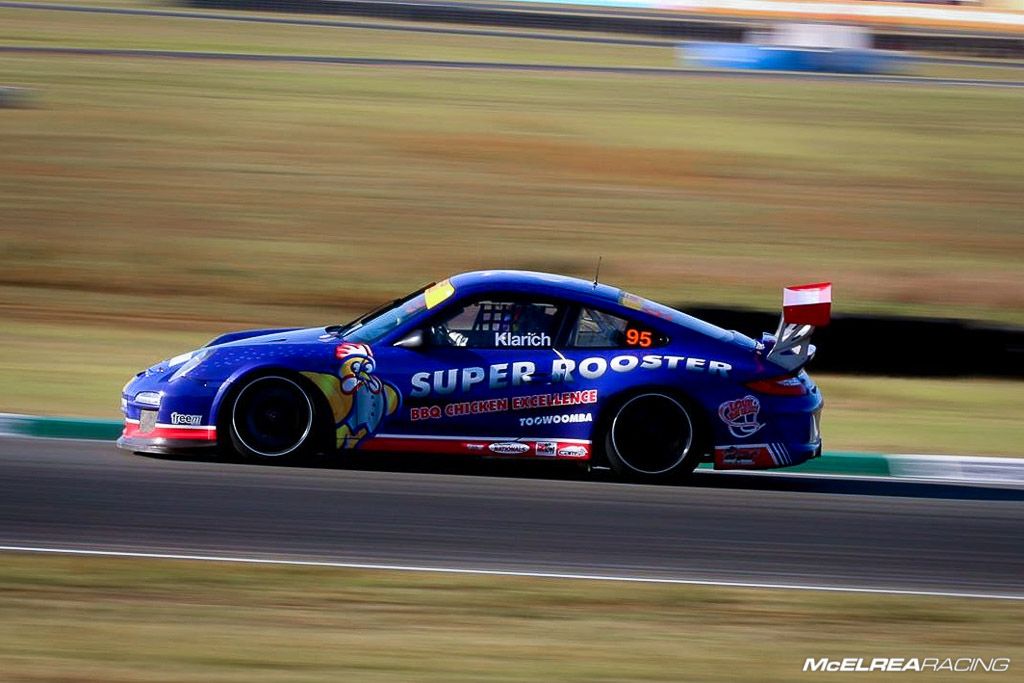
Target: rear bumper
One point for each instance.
(800, 442)
(764, 456)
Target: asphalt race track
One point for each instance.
(807, 531)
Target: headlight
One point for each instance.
(148, 398)
(196, 358)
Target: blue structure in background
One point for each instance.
(783, 58)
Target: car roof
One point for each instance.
(576, 289)
(531, 281)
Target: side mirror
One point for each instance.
(413, 340)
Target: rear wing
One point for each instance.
(804, 307)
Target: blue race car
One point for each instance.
(500, 364)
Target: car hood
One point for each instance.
(272, 336)
(224, 345)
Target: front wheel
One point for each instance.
(271, 419)
(652, 437)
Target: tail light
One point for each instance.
(784, 385)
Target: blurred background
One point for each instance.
(170, 172)
(173, 170)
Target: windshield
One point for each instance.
(371, 326)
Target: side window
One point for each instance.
(597, 329)
(500, 323)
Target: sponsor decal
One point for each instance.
(555, 419)
(631, 301)
(455, 444)
(509, 448)
(183, 419)
(573, 452)
(418, 413)
(497, 376)
(740, 416)
(359, 399)
(530, 339)
(757, 455)
(493, 405)
(438, 293)
(545, 448)
(563, 370)
(559, 400)
(150, 429)
(435, 412)
(500, 405)
(740, 456)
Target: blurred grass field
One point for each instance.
(88, 619)
(241, 186)
(150, 203)
(44, 27)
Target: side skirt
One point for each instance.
(502, 447)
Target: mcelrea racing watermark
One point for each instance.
(907, 664)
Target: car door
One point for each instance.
(477, 376)
(606, 353)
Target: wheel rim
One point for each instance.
(272, 416)
(652, 433)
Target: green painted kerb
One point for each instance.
(872, 464)
(864, 464)
(60, 427)
(107, 430)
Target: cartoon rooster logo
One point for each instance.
(359, 399)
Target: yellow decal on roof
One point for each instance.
(438, 293)
(631, 301)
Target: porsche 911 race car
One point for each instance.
(500, 364)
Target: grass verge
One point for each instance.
(90, 619)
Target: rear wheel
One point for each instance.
(272, 418)
(652, 437)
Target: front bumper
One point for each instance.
(145, 435)
(179, 419)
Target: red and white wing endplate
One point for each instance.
(807, 304)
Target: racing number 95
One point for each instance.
(641, 338)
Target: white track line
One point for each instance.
(503, 572)
(890, 478)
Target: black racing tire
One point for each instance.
(273, 418)
(652, 436)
